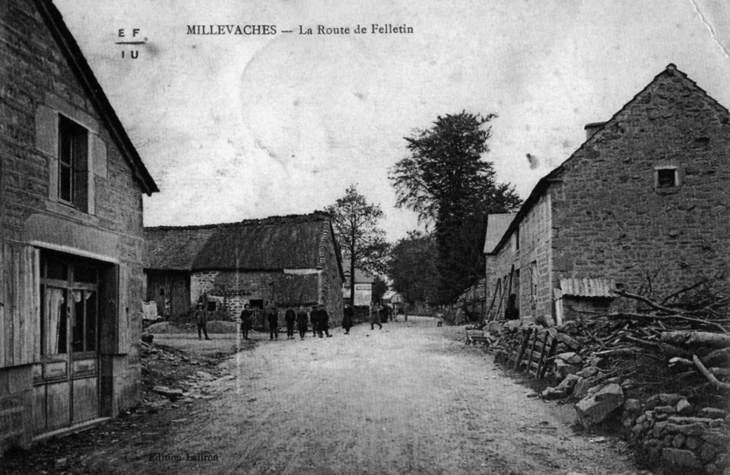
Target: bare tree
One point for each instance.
(355, 223)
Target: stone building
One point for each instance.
(289, 260)
(363, 285)
(71, 236)
(644, 198)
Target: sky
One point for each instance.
(237, 127)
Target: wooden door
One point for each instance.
(66, 381)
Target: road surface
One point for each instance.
(407, 399)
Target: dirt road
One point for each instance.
(404, 399)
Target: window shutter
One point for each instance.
(81, 172)
(46, 136)
(98, 153)
(20, 312)
(124, 315)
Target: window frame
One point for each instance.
(73, 159)
(678, 178)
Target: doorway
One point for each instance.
(66, 382)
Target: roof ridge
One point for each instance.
(537, 190)
(269, 220)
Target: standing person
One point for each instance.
(375, 317)
(290, 317)
(511, 312)
(313, 316)
(273, 323)
(323, 320)
(302, 322)
(347, 315)
(201, 318)
(246, 321)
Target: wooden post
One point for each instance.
(523, 346)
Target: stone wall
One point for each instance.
(330, 284)
(37, 87)
(610, 218)
(238, 288)
(531, 259)
(668, 430)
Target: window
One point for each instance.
(73, 164)
(666, 178)
(517, 239)
(69, 305)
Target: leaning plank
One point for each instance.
(522, 348)
(552, 347)
(528, 358)
(695, 338)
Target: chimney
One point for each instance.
(592, 128)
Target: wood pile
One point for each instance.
(625, 364)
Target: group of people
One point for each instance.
(318, 317)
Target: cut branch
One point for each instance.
(696, 339)
(642, 316)
(710, 377)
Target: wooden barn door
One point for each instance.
(66, 381)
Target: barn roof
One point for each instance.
(275, 243)
(174, 248)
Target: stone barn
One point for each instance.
(71, 236)
(643, 198)
(289, 260)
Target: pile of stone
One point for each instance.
(667, 429)
(169, 384)
(612, 365)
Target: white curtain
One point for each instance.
(55, 299)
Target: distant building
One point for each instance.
(363, 285)
(289, 260)
(645, 197)
(71, 238)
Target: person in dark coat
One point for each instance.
(290, 317)
(347, 319)
(273, 323)
(201, 318)
(313, 315)
(302, 322)
(511, 312)
(246, 321)
(323, 320)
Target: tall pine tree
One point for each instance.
(448, 183)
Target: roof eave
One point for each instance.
(78, 64)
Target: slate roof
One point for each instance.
(587, 287)
(497, 224)
(275, 243)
